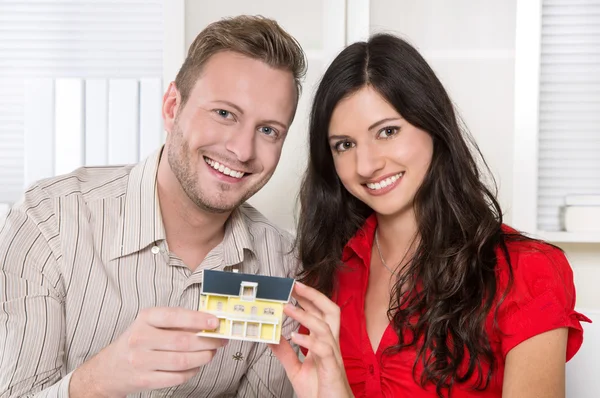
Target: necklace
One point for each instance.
(380, 255)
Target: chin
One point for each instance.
(220, 207)
(393, 210)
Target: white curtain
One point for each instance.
(569, 119)
(68, 39)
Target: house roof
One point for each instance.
(228, 283)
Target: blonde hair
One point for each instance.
(254, 36)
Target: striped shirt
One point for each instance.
(82, 254)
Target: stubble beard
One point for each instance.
(180, 162)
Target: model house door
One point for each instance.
(252, 330)
(237, 329)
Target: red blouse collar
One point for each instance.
(362, 242)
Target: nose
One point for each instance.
(242, 144)
(368, 160)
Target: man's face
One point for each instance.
(224, 143)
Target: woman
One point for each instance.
(437, 296)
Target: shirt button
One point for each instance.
(155, 249)
(371, 369)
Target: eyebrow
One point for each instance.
(388, 119)
(338, 137)
(282, 125)
(231, 104)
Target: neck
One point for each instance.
(191, 231)
(398, 236)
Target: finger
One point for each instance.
(322, 352)
(151, 338)
(314, 324)
(309, 307)
(160, 379)
(329, 310)
(315, 297)
(171, 361)
(178, 318)
(287, 356)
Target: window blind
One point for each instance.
(569, 112)
(62, 39)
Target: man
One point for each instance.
(100, 270)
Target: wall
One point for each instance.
(471, 46)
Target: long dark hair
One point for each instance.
(451, 278)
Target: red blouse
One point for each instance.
(542, 298)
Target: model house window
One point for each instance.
(219, 306)
(252, 330)
(239, 308)
(269, 311)
(248, 291)
(253, 310)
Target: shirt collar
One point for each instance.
(140, 221)
(238, 241)
(361, 243)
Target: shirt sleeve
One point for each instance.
(266, 376)
(542, 298)
(32, 324)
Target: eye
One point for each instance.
(343, 146)
(224, 114)
(387, 132)
(269, 131)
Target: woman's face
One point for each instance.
(379, 157)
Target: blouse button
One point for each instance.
(371, 369)
(155, 250)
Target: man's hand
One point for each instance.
(160, 349)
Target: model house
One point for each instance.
(249, 307)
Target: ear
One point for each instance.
(170, 106)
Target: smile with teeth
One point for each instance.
(384, 183)
(221, 168)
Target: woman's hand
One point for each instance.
(322, 373)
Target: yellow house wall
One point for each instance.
(209, 303)
(266, 330)
(224, 326)
(266, 333)
(259, 304)
(213, 300)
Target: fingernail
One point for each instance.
(290, 307)
(300, 284)
(213, 322)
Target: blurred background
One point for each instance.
(81, 83)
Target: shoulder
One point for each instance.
(41, 201)
(535, 265)
(536, 293)
(51, 199)
(90, 183)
